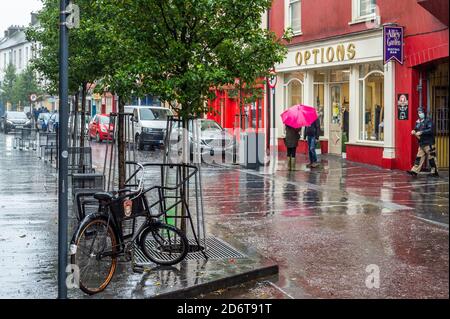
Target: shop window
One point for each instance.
(293, 16)
(319, 98)
(293, 89)
(371, 99)
(338, 76)
(363, 10)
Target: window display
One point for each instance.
(319, 98)
(371, 96)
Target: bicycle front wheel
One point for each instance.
(95, 256)
(164, 244)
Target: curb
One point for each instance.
(194, 291)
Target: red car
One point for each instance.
(100, 128)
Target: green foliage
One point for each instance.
(25, 85)
(7, 86)
(16, 89)
(84, 44)
(182, 48)
(174, 49)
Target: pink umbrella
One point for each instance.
(299, 115)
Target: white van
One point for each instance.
(149, 124)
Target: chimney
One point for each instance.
(34, 18)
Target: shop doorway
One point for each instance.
(339, 106)
(438, 110)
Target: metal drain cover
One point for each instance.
(216, 249)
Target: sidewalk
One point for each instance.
(322, 227)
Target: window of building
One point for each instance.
(15, 58)
(293, 84)
(26, 55)
(293, 16)
(319, 97)
(4, 61)
(363, 10)
(371, 99)
(20, 58)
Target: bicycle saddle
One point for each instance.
(103, 196)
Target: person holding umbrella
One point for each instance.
(291, 142)
(294, 118)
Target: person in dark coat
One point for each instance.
(424, 132)
(312, 134)
(291, 141)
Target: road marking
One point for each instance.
(281, 290)
(432, 222)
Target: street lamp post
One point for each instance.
(63, 153)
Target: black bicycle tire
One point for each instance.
(113, 262)
(182, 236)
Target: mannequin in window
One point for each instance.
(377, 120)
(345, 120)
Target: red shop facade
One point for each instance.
(232, 111)
(338, 67)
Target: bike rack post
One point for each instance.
(198, 228)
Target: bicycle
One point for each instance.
(99, 239)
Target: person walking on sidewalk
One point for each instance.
(312, 134)
(291, 142)
(424, 133)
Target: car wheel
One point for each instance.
(138, 142)
(97, 138)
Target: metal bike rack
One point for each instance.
(172, 148)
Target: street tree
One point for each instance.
(85, 67)
(8, 84)
(25, 85)
(184, 48)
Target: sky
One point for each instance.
(16, 12)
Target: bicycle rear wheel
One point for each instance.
(164, 244)
(95, 270)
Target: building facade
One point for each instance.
(15, 49)
(335, 63)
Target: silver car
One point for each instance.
(213, 138)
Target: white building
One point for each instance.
(16, 49)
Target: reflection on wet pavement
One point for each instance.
(323, 227)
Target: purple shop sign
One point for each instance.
(393, 44)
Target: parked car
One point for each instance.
(213, 138)
(14, 120)
(149, 124)
(53, 122)
(100, 128)
(42, 121)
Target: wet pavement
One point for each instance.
(323, 228)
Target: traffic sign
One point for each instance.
(272, 79)
(33, 97)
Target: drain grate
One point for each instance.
(216, 249)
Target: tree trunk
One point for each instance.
(82, 124)
(121, 143)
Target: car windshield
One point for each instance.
(154, 114)
(103, 120)
(210, 125)
(17, 115)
